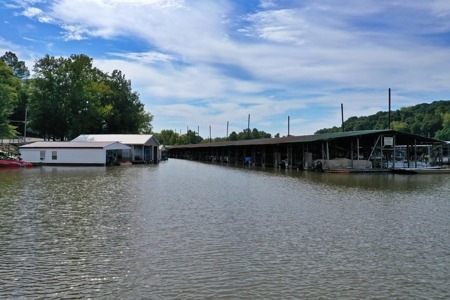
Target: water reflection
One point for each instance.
(183, 230)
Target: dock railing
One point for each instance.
(10, 146)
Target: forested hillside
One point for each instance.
(423, 119)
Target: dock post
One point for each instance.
(289, 149)
(328, 156)
(263, 156)
(415, 153)
(254, 156)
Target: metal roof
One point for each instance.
(129, 139)
(67, 145)
(311, 139)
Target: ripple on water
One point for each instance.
(183, 230)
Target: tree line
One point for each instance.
(429, 120)
(67, 97)
(171, 137)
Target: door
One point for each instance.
(148, 155)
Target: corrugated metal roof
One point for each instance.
(129, 139)
(304, 139)
(71, 145)
(268, 141)
(338, 135)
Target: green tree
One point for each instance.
(70, 97)
(233, 136)
(18, 67)
(9, 90)
(21, 72)
(165, 136)
(400, 126)
(444, 133)
(49, 107)
(128, 112)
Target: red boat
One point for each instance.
(14, 163)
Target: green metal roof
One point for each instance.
(312, 138)
(339, 135)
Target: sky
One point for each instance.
(207, 63)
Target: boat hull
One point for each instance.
(12, 163)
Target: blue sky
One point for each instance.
(208, 62)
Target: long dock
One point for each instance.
(344, 152)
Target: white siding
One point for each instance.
(65, 156)
(31, 155)
(137, 142)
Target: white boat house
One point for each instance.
(73, 153)
(144, 148)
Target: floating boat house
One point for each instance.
(72, 153)
(357, 150)
(144, 148)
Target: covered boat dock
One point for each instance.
(356, 151)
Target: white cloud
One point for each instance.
(146, 57)
(283, 26)
(74, 33)
(31, 12)
(267, 4)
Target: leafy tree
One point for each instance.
(164, 137)
(444, 133)
(128, 112)
(21, 72)
(18, 67)
(193, 137)
(49, 100)
(9, 89)
(70, 97)
(233, 136)
(399, 126)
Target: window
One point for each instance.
(42, 155)
(137, 152)
(54, 155)
(126, 153)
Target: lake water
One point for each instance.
(191, 230)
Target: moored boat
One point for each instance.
(14, 163)
(430, 170)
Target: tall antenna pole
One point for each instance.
(389, 124)
(289, 125)
(210, 133)
(227, 130)
(248, 127)
(342, 116)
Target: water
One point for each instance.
(190, 230)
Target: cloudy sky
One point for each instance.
(204, 63)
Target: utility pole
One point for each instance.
(248, 127)
(389, 122)
(289, 125)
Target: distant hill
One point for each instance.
(424, 119)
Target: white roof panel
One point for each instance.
(129, 139)
(111, 145)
